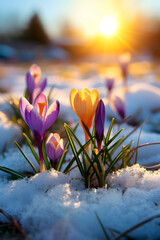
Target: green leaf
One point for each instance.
(78, 142)
(78, 153)
(109, 131)
(31, 148)
(116, 145)
(26, 93)
(83, 149)
(50, 92)
(112, 139)
(12, 172)
(117, 158)
(87, 130)
(61, 160)
(24, 155)
(74, 151)
(97, 162)
(93, 146)
(47, 163)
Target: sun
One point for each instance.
(108, 26)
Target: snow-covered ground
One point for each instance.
(52, 205)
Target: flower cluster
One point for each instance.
(95, 157)
(39, 117)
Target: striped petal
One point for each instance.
(22, 106)
(33, 119)
(40, 99)
(51, 115)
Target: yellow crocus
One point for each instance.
(84, 104)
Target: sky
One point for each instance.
(84, 14)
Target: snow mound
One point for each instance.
(54, 207)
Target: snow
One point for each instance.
(52, 205)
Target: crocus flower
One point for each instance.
(54, 148)
(39, 118)
(110, 84)
(99, 123)
(34, 83)
(124, 62)
(84, 104)
(118, 106)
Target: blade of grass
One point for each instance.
(31, 148)
(15, 223)
(142, 145)
(137, 226)
(102, 226)
(12, 172)
(136, 157)
(24, 155)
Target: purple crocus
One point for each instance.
(99, 123)
(124, 63)
(54, 148)
(109, 84)
(34, 84)
(119, 106)
(39, 118)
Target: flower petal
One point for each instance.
(51, 115)
(30, 82)
(72, 96)
(80, 105)
(33, 119)
(50, 150)
(43, 84)
(60, 148)
(41, 98)
(92, 103)
(36, 72)
(22, 105)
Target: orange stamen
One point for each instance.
(55, 144)
(41, 108)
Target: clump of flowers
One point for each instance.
(39, 118)
(97, 152)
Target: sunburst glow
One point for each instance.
(108, 26)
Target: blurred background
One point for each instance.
(65, 30)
